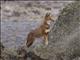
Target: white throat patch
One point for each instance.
(48, 22)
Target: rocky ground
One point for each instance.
(64, 40)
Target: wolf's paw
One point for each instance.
(46, 43)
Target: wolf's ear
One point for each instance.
(47, 14)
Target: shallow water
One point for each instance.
(15, 33)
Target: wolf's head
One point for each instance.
(48, 17)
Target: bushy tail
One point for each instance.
(30, 39)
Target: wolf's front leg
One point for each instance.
(46, 39)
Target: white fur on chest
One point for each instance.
(49, 22)
(47, 30)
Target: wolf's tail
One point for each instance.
(30, 39)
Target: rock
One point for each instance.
(1, 48)
(19, 54)
(64, 40)
(24, 55)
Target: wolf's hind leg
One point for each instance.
(46, 39)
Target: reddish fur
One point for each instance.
(39, 32)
